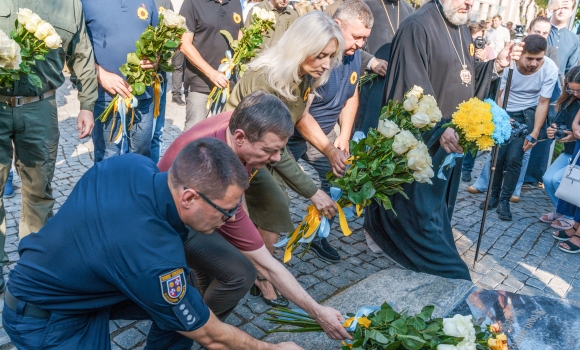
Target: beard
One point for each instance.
(454, 16)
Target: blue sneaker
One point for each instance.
(8, 188)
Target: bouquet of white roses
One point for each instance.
(30, 40)
(390, 155)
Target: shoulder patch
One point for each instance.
(173, 286)
(237, 18)
(353, 77)
(187, 315)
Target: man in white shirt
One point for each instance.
(497, 36)
(531, 88)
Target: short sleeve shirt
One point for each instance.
(284, 20)
(256, 80)
(114, 27)
(205, 19)
(117, 237)
(340, 87)
(240, 232)
(526, 90)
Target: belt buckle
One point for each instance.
(15, 101)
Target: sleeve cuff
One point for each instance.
(88, 106)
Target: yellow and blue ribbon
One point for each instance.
(121, 108)
(448, 163)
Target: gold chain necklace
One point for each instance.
(389, 17)
(465, 74)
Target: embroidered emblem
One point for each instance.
(237, 18)
(353, 77)
(161, 9)
(173, 286)
(142, 12)
(306, 93)
(471, 50)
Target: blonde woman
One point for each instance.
(292, 69)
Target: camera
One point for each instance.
(479, 43)
(519, 130)
(560, 134)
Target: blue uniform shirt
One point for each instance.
(117, 237)
(568, 47)
(338, 89)
(114, 27)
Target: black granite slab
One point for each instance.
(531, 323)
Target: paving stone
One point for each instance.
(123, 323)
(129, 338)
(252, 330)
(143, 326)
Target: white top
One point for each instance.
(176, 5)
(526, 90)
(497, 38)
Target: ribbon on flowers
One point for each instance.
(449, 162)
(121, 106)
(360, 317)
(157, 82)
(217, 95)
(312, 223)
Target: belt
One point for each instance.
(17, 101)
(29, 309)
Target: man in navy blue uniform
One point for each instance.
(115, 251)
(315, 140)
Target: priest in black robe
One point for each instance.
(432, 52)
(388, 14)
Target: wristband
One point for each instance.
(531, 139)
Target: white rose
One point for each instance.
(416, 91)
(181, 24)
(435, 116)
(418, 158)
(32, 22)
(23, 16)
(446, 347)
(410, 103)
(466, 345)
(420, 120)
(403, 141)
(44, 30)
(9, 52)
(388, 128)
(170, 19)
(53, 41)
(459, 326)
(424, 176)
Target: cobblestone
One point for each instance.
(516, 256)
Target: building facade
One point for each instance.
(509, 10)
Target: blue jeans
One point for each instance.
(564, 207)
(139, 137)
(468, 162)
(553, 176)
(483, 180)
(159, 124)
(83, 331)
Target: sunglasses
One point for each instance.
(570, 91)
(228, 214)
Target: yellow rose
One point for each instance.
(23, 16)
(53, 41)
(44, 30)
(499, 343)
(33, 21)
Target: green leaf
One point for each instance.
(412, 342)
(426, 312)
(133, 59)
(393, 346)
(170, 44)
(416, 322)
(139, 88)
(398, 327)
(34, 80)
(378, 336)
(228, 37)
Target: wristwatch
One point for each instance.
(531, 139)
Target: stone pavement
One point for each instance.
(517, 256)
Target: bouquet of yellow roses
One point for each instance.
(30, 40)
(156, 44)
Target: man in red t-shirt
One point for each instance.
(257, 130)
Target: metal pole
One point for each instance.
(495, 152)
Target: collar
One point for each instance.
(268, 5)
(222, 3)
(165, 202)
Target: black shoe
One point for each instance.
(279, 301)
(323, 250)
(465, 177)
(503, 210)
(177, 99)
(493, 202)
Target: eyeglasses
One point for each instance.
(228, 214)
(570, 91)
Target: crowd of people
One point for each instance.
(180, 237)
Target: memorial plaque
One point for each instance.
(531, 323)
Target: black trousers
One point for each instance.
(178, 62)
(224, 275)
(509, 160)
